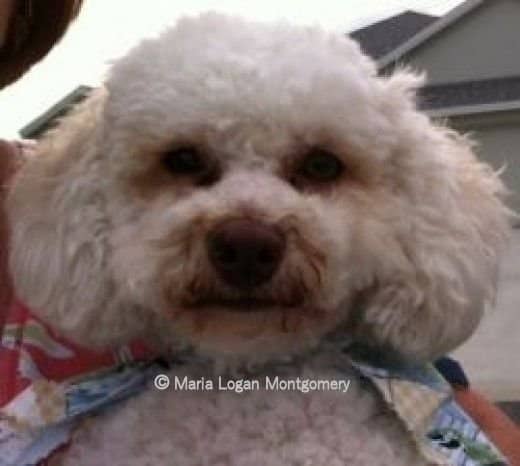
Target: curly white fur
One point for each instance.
(273, 428)
(400, 254)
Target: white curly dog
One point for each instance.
(244, 190)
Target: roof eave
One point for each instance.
(40, 124)
(428, 32)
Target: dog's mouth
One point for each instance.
(242, 304)
(247, 314)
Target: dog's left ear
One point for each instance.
(432, 285)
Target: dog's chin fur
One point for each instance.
(235, 339)
(401, 251)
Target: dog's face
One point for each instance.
(247, 189)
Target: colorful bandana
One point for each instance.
(423, 400)
(47, 385)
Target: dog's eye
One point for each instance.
(184, 161)
(320, 165)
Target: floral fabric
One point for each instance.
(48, 383)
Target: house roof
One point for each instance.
(388, 41)
(47, 120)
(381, 38)
(429, 31)
(462, 94)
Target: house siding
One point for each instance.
(488, 357)
(498, 143)
(482, 45)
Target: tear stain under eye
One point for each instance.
(176, 313)
(285, 322)
(290, 321)
(314, 257)
(200, 321)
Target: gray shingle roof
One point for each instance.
(467, 93)
(382, 37)
(47, 120)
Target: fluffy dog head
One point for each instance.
(248, 188)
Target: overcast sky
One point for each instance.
(106, 29)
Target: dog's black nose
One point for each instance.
(245, 253)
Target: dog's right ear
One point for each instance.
(59, 232)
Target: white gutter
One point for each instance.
(474, 109)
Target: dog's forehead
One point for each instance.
(213, 70)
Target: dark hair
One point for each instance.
(35, 26)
